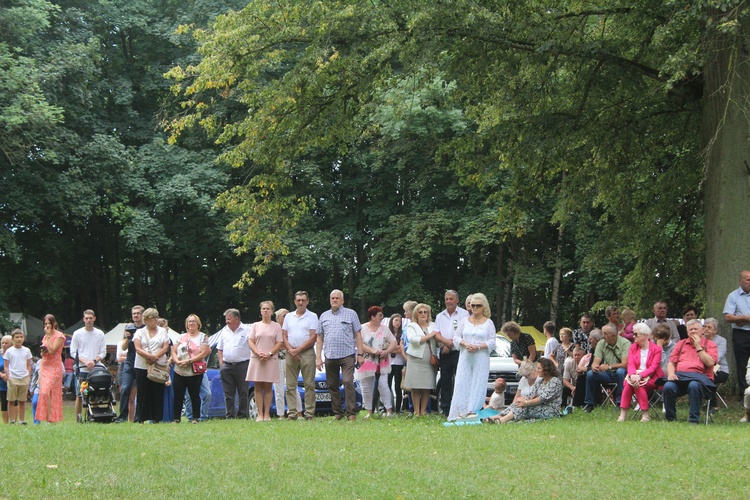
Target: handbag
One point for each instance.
(157, 372)
(198, 366)
(434, 360)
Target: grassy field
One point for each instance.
(400, 457)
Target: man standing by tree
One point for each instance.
(299, 334)
(660, 316)
(447, 325)
(340, 339)
(737, 312)
(234, 356)
(88, 348)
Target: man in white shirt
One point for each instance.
(446, 324)
(660, 316)
(234, 356)
(299, 335)
(88, 348)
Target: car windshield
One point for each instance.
(502, 348)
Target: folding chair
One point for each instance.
(708, 406)
(655, 405)
(608, 393)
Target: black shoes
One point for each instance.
(588, 408)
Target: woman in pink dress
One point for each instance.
(264, 341)
(49, 407)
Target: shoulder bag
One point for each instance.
(198, 366)
(157, 372)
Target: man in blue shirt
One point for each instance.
(737, 312)
(340, 339)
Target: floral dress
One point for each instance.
(50, 382)
(551, 395)
(560, 354)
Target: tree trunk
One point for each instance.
(727, 163)
(555, 300)
(500, 298)
(507, 307)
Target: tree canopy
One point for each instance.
(554, 155)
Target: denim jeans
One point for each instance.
(128, 381)
(672, 391)
(594, 379)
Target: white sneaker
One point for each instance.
(743, 420)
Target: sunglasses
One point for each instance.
(477, 306)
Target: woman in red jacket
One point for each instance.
(644, 368)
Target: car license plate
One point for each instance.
(322, 396)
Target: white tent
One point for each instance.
(32, 327)
(114, 336)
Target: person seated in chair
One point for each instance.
(644, 368)
(721, 368)
(609, 366)
(690, 371)
(660, 335)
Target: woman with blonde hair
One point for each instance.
(475, 339)
(151, 346)
(265, 342)
(564, 349)
(544, 400)
(189, 368)
(420, 376)
(528, 373)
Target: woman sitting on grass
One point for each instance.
(528, 373)
(545, 399)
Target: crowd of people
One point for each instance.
(396, 359)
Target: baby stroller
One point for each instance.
(97, 398)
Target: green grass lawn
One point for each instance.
(570, 457)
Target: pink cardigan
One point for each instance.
(653, 361)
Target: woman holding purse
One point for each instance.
(420, 377)
(188, 356)
(151, 345)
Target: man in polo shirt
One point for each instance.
(234, 356)
(610, 365)
(340, 339)
(660, 316)
(446, 324)
(88, 347)
(737, 312)
(690, 371)
(299, 334)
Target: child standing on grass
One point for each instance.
(17, 371)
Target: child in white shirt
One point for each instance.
(17, 373)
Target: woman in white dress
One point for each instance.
(475, 339)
